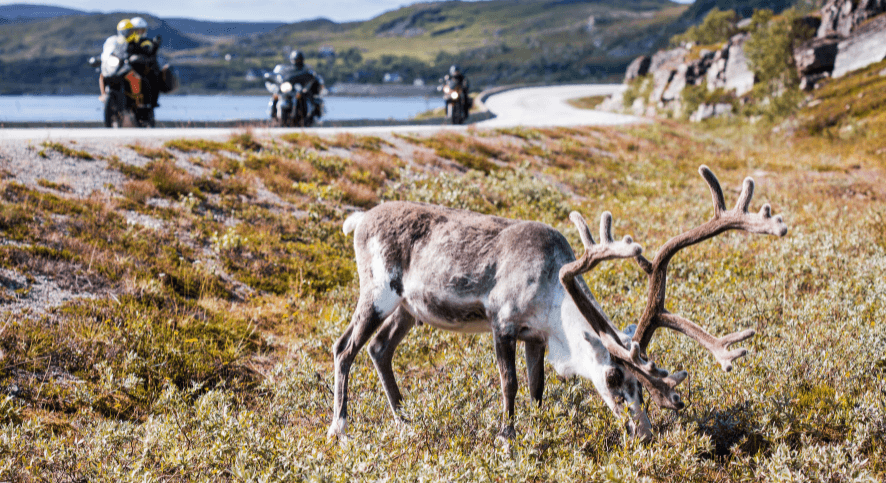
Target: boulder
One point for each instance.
(639, 67)
(663, 66)
(816, 55)
(739, 76)
(810, 82)
(867, 45)
(660, 80)
(667, 59)
(841, 17)
(676, 85)
(716, 74)
(706, 111)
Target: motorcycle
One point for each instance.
(123, 89)
(457, 103)
(293, 103)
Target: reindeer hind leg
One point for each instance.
(535, 369)
(382, 348)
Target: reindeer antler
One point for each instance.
(738, 218)
(657, 381)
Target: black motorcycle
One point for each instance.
(295, 99)
(458, 105)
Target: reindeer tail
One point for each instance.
(352, 222)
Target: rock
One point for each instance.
(660, 80)
(739, 76)
(639, 67)
(810, 82)
(667, 59)
(864, 47)
(663, 66)
(676, 85)
(716, 74)
(707, 111)
(841, 17)
(613, 103)
(816, 55)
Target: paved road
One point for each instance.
(534, 106)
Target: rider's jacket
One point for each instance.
(303, 76)
(461, 80)
(145, 51)
(115, 47)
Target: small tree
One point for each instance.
(717, 27)
(770, 54)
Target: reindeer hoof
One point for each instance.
(337, 429)
(507, 433)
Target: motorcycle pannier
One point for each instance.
(168, 79)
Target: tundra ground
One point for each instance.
(169, 308)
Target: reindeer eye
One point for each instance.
(615, 378)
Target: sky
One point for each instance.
(240, 10)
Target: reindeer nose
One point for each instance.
(678, 404)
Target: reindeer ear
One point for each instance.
(600, 352)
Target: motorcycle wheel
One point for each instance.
(457, 113)
(115, 108)
(283, 115)
(145, 117)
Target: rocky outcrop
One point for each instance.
(841, 17)
(864, 47)
(707, 111)
(851, 35)
(816, 55)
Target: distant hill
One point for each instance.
(221, 29)
(23, 13)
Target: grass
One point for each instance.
(205, 352)
(590, 102)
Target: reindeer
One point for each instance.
(466, 272)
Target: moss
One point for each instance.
(152, 153)
(197, 145)
(66, 151)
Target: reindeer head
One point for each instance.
(627, 350)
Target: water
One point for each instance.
(207, 108)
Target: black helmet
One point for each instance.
(454, 70)
(297, 58)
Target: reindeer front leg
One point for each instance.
(364, 323)
(506, 357)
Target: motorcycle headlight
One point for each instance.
(113, 61)
(454, 95)
(272, 87)
(285, 87)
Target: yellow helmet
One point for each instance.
(124, 27)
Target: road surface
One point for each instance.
(530, 107)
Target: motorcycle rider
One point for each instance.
(115, 46)
(305, 76)
(142, 53)
(456, 74)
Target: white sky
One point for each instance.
(241, 10)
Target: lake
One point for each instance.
(208, 108)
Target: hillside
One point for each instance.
(497, 41)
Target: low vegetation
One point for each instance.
(209, 287)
